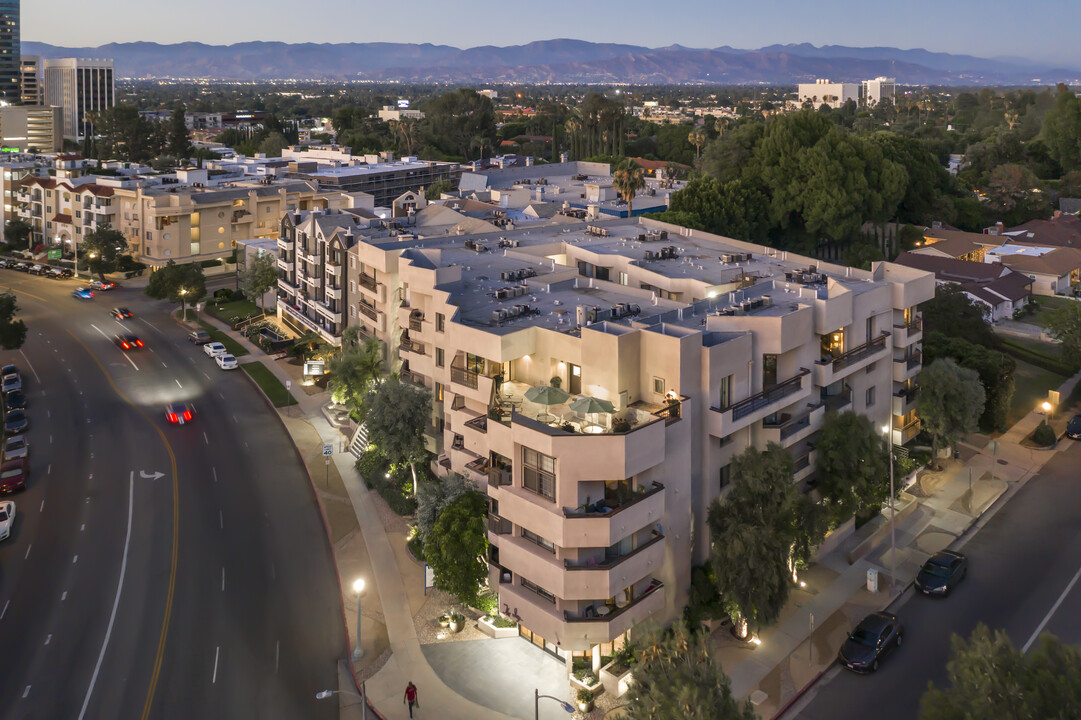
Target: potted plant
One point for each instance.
(457, 621)
(567, 427)
(621, 425)
(444, 620)
(585, 700)
(556, 381)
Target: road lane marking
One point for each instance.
(206, 376)
(277, 654)
(223, 579)
(221, 396)
(235, 420)
(178, 384)
(26, 691)
(63, 596)
(75, 560)
(215, 471)
(205, 439)
(221, 520)
(31, 367)
(28, 551)
(1047, 617)
(5, 610)
(50, 439)
(83, 528)
(149, 323)
(164, 365)
(49, 470)
(214, 679)
(42, 508)
(48, 413)
(48, 639)
(116, 600)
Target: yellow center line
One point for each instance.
(176, 529)
(23, 292)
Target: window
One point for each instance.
(622, 278)
(352, 286)
(658, 386)
(439, 322)
(539, 473)
(539, 541)
(725, 397)
(439, 357)
(538, 590)
(870, 396)
(352, 311)
(726, 477)
(870, 328)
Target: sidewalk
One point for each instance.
(406, 661)
(938, 510)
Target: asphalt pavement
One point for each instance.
(157, 571)
(1021, 566)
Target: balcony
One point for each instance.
(904, 400)
(830, 369)
(284, 265)
(784, 428)
(859, 353)
(367, 282)
(286, 244)
(499, 476)
(463, 377)
(368, 311)
(334, 269)
(908, 366)
(609, 563)
(607, 508)
(334, 293)
(906, 433)
(411, 377)
(725, 421)
(908, 333)
(287, 286)
(479, 423)
(616, 612)
(416, 321)
(411, 346)
(838, 401)
(499, 526)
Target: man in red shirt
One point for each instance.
(411, 697)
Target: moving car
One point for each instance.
(179, 413)
(16, 447)
(214, 349)
(122, 313)
(11, 382)
(15, 422)
(82, 293)
(941, 573)
(13, 475)
(875, 637)
(102, 285)
(1073, 428)
(7, 518)
(15, 400)
(127, 342)
(226, 362)
(199, 337)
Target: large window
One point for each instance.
(538, 590)
(539, 541)
(539, 473)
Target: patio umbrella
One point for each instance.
(591, 406)
(546, 395)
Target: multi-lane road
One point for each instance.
(1024, 570)
(156, 571)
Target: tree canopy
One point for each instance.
(260, 276)
(951, 311)
(454, 120)
(433, 497)
(178, 284)
(353, 372)
(102, 249)
(995, 369)
(179, 142)
(1064, 324)
(12, 331)
(852, 466)
(396, 414)
(951, 402)
(456, 548)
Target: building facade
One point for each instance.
(824, 92)
(697, 347)
(10, 44)
(30, 80)
(879, 89)
(80, 86)
(32, 128)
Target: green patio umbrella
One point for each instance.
(546, 395)
(591, 406)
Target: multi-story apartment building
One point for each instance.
(12, 174)
(335, 169)
(30, 80)
(824, 92)
(31, 128)
(80, 86)
(10, 49)
(703, 346)
(879, 89)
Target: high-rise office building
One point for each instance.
(30, 73)
(10, 70)
(79, 86)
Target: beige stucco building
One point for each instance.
(702, 345)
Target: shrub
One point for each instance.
(584, 696)
(210, 263)
(223, 295)
(488, 604)
(1043, 435)
(621, 425)
(416, 547)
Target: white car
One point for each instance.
(7, 518)
(214, 349)
(16, 447)
(226, 362)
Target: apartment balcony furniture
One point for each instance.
(611, 613)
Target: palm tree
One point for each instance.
(628, 181)
(574, 128)
(698, 138)
(353, 372)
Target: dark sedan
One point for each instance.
(1073, 428)
(15, 400)
(127, 342)
(16, 422)
(941, 573)
(874, 638)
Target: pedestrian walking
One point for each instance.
(411, 697)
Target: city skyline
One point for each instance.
(692, 23)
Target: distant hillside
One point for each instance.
(556, 61)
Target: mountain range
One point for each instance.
(557, 61)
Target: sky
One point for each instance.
(1040, 30)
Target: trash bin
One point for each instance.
(872, 580)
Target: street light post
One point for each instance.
(536, 703)
(358, 588)
(324, 694)
(893, 535)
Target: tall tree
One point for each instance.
(628, 181)
(1062, 130)
(852, 466)
(179, 143)
(12, 331)
(353, 372)
(181, 284)
(1064, 324)
(17, 232)
(102, 250)
(996, 370)
(260, 276)
(677, 675)
(698, 138)
(455, 119)
(434, 497)
(989, 679)
(951, 402)
(951, 311)
(456, 548)
(396, 414)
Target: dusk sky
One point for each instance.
(1042, 30)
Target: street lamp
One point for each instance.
(888, 429)
(358, 588)
(324, 694)
(536, 703)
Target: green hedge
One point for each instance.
(1045, 361)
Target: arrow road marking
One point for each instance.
(143, 474)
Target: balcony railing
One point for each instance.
(499, 526)
(909, 394)
(461, 376)
(860, 352)
(411, 377)
(480, 465)
(499, 476)
(610, 563)
(408, 345)
(671, 413)
(745, 407)
(789, 426)
(604, 509)
(366, 281)
(416, 322)
(368, 311)
(839, 400)
(913, 360)
(654, 586)
(479, 423)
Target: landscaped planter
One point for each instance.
(489, 628)
(596, 688)
(615, 678)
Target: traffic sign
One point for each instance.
(55, 253)
(328, 450)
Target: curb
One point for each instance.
(792, 701)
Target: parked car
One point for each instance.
(82, 293)
(1073, 428)
(16, 447)
(37, 270)
(15, 400)
(214, 349)
(941, 573)
(199, 337)
(226, 362)
(4, 264)
(59, 273)
(122, 313)
(179, 413)
(13, 474)
(876, 636)
(8, 370)
(7, 518)
(15, 422)
(11, 382)
(20, 266)
(127, 342)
